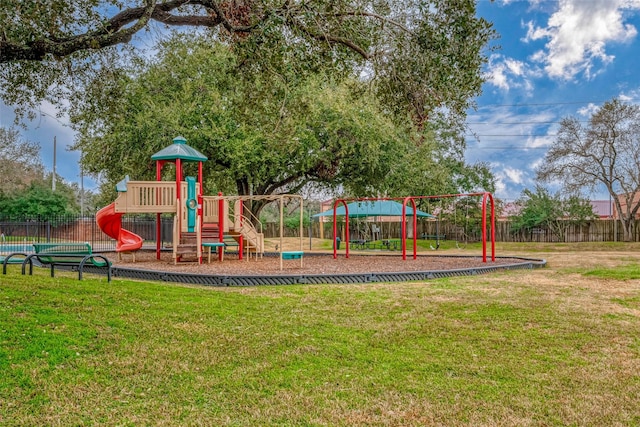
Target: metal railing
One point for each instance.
(75, 228)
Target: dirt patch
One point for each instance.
(313, 263)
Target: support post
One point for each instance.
(159, 165)
(221, 220)
(335, 228)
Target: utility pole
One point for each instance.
(81, 189)
(53, 177)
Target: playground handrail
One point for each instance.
(210, 211)
(147, 197)
(249, 232)
(247, 219)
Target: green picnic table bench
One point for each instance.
(391, 244)
(74, 255)
(12, 259)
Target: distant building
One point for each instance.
(508, 210)
(623, 204)
(602, 208)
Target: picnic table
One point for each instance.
(391, 244)
(358, 243)
(73, 255)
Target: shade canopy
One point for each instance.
(373, 208)
(180, 150)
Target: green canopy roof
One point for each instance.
(179, 150)
(373, 208)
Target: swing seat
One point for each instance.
(425, 236)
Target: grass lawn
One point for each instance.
(554, 346)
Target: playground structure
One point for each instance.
(216, 220)
(405, 212)
(197, 219)
(202, 219)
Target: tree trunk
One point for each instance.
(255, 206)
(627, 225)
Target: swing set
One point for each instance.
(487, 198)
(460, 217)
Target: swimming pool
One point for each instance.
(9, 248)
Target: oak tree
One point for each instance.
(263, 132)
(19, 161)
(606, 152)
(423, 57)
(555, 212)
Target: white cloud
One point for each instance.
(509, 180)
(537, 163)
(496, 75)
(631, 96)
(588, 110)
(539, 141)
(501, 189)
(514, 66)
(514, 175)
(577, 35)
(509, 73)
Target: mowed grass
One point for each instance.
(546, 347)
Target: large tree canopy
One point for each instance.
(38, 200)
(25, 188)
(19, 161)
(540, 209)
(424, 56)
(606, 152)
(264, 132)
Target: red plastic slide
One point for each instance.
(110, 222)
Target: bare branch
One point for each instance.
(328, 38)
(604, 153)
(376, 16)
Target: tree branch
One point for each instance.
(115, 31)
(376, 16)
(110, 34)
(328, 38)
(274, 186)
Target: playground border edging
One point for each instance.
(316, 279)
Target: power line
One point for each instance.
(510, 135)
(511, 123)
(522, 123)
(505, 148)
(541, 104)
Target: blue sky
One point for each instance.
(555, 59)
(42, 130)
